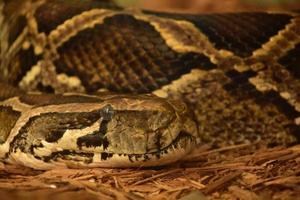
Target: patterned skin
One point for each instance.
(237, 74)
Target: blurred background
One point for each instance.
(204, 6)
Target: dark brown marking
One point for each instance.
(19, 65)
(146, 157)
(92, 140)
(17, 23)
(64, 10)
(241, 33)
(34, 146)
(8, 91)
(45, 88)
(130, 158)
(105, 156)
(98, 138)
(17, 29)
(291, 61)
(281, 104)
(51, 127)
(8, 119)
(137, 157)
(67, 155)
(55, 135)
(239, 85)
(241, 88)
(27, 59)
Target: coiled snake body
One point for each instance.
(185, 80)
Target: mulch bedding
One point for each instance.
(234, 172)
(246, 171)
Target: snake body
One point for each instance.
(178, 81)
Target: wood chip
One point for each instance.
(221, 182)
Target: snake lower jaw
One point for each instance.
(180, 147)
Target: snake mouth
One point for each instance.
(179, 147)
(183, 142)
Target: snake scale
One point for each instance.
(86, 83)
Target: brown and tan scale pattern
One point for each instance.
(237, 73)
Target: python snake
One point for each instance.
(85, 83)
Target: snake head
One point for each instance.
(145, 131)
(111, 131)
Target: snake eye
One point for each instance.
(107, 112)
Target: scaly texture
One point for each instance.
(237, 73)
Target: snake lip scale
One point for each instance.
(90, 84)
